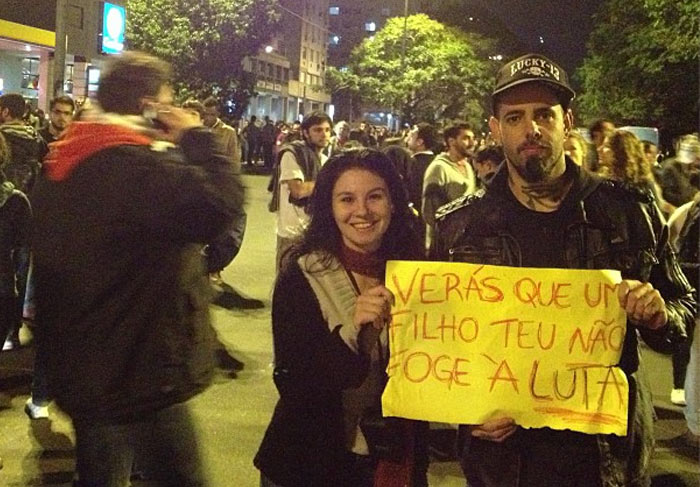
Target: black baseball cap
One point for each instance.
(533, 68)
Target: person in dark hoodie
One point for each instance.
(121, 291)
(15, 216)
(26, 149)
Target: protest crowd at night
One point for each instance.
(258, 269)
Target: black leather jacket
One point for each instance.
(614, 227)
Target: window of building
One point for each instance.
(68, 79)
(334, 11)
(286, 74)
(30, 73)
(370, 26)
(270, 70)
(75, 16)
(279, 72)
(303, 54)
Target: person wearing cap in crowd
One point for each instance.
(680, 176)
(542, 210)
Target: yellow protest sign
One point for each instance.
(473, 342)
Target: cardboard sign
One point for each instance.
(473, 342)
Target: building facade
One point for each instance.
(28, 41)
(351, 21)
(291, 69)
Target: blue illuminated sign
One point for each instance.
(113, 27)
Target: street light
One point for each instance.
(403, 44)
(405, 33)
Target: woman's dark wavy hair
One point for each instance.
(400, 240)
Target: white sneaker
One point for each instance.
(678, 397)
(34, 411)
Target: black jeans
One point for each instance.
(164, 443)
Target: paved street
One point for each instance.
(235, 411)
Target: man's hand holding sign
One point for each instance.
(644, 307)
(643, 304)
(555, 353)
(476, 344)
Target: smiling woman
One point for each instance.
(362, 209)
(329, 315)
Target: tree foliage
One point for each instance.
(443, 74)
(205, 41)
(642, 64)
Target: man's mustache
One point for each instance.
(532, 145)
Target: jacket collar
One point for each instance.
(585, 183)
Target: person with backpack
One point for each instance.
(294, 176)
(26, 150)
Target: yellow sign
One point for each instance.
(473, 342)
(27, 33)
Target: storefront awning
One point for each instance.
(25, 33)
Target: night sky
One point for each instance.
(564, 25)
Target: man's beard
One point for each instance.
(537, 169)
(464, 151)
(534, 170)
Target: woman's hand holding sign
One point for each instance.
(643, 304)
(373, 307)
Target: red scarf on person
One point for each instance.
(366, 264)
(83, 139)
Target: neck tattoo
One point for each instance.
(543, 195)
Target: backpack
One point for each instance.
(25, 156)
(309, 164)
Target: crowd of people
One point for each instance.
(116, 222)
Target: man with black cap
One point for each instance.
(543, 211)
